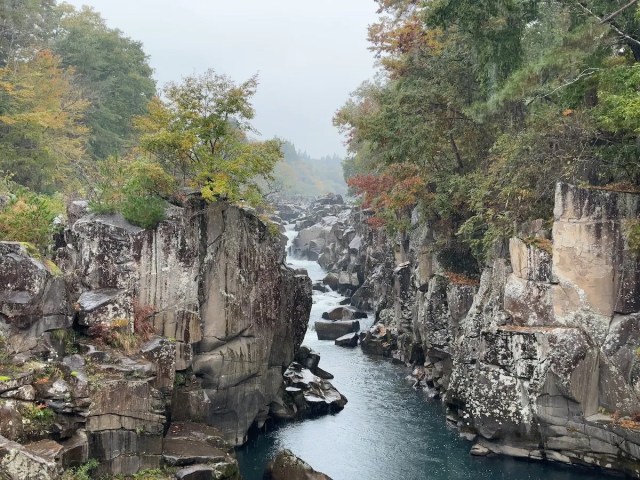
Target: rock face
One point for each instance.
(209, 287)
(286, 466)
(18, 463)
(538, 357)
(33, 298)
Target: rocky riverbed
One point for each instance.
(536, 357)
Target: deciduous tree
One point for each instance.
(200, 133)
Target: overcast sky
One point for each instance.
(309, 54)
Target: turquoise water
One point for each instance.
(387, 430)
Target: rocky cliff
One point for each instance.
(136, 334)
(536, 359)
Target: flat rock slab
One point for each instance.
(196, 472)
(193, 443)
(349, 340)
(18, 462)
(344, 313)
(47, 449)
(330, 330)
(91, 300)
(180, 451)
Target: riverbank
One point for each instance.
(387, 430)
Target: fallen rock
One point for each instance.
(331, 280)
(349, 340)
(104, 306)
(191, 444)
(19, 463)
(331, 330)
(319, 287)
(378, 341)
(311, 394)
(479, 451)
(344, 313)
(76, 450)
(286, 466)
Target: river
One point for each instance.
(387, 431)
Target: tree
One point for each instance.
(42, 136)
(489, 103)
(200, 133)
(113, 73)
(25, 27)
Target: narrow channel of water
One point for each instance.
(387, 430)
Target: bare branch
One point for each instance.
(612, 25)
(619, 11)
(585, 73)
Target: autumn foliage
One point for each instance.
(390, 194)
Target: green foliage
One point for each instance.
(27, 216)
(136, 189)
(301, 174)
(493, 102)
(42, 136)
(24, 26)
(144, 211)
(37, 418)
(113, 72)
(632, 233)
(67, 341)
(4, 351)
(83, 472)
(199, 133)
(166, 473)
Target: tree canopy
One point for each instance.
(70, 90)
(200, 130)
(112, 72)
(488, 103)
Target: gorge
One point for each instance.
(536, 361)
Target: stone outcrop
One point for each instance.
(223, 315)
(19, 462)
(33, 298)
(537, 357)
(334, 329)
(286, 466)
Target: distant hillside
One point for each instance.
(299, 173)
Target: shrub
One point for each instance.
(38, 419)
(145, 211)
(83, 472)
(142, 324)
(27, 216)
(136, 189)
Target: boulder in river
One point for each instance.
(331, 280)
(344, 313)
(310, 393)
(319, 287)
(349, 340)
(286, 466)
(331, 330)
(378, 341)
